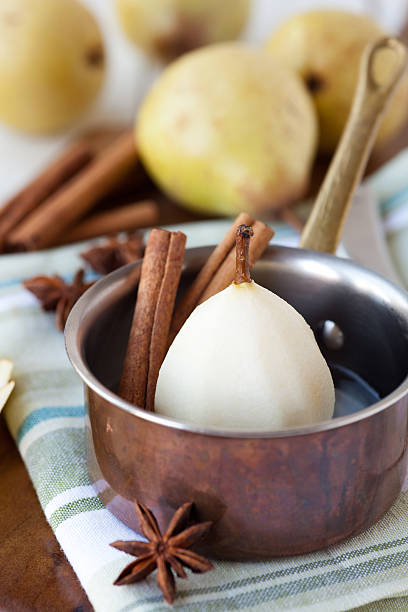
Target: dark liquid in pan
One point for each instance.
(352, 392)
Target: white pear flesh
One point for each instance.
(245, 359)
(6, 385)
(6, 367)
(5, 393)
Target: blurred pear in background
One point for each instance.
(169, 28)
(51, 63)
(325, 47)
(228, 128)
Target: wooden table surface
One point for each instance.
(35, 575)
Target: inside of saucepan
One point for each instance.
(360, 321)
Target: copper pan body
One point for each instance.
(268, 493)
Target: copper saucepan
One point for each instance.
(281, 492)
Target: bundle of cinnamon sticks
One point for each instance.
(154, 325)
(160, 275)
(101, 168)
(52, 209)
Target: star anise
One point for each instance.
(165, 552)
(55, 294)
(115, 253)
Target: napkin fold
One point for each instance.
(46, 418)
(390, 184)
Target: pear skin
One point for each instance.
(168, 28)
(325, 47)
(228, 128)
(51, 63)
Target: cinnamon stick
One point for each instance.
(219, 270)
(123, 219)
(226, 272)
(148, 336)
(53, 177)
(45, 224)
(164, 312)
(136, 365)
(202, 280)
(263, 234)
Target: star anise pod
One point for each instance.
(55, 294)
(115, 253)
(165, 552)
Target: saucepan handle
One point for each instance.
(371, 99)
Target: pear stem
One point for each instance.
(242, 274)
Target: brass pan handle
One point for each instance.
(324, 227)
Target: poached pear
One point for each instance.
(325, 47)
(51, 63)
(227, 128)
(245, 359)
(168, 28)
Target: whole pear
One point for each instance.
(228, 128)
(168, 28)
(325, 47)
(245, 359)
(51, 63)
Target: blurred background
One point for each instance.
(130, 72)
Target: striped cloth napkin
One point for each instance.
(46, 417)
(390, 184)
